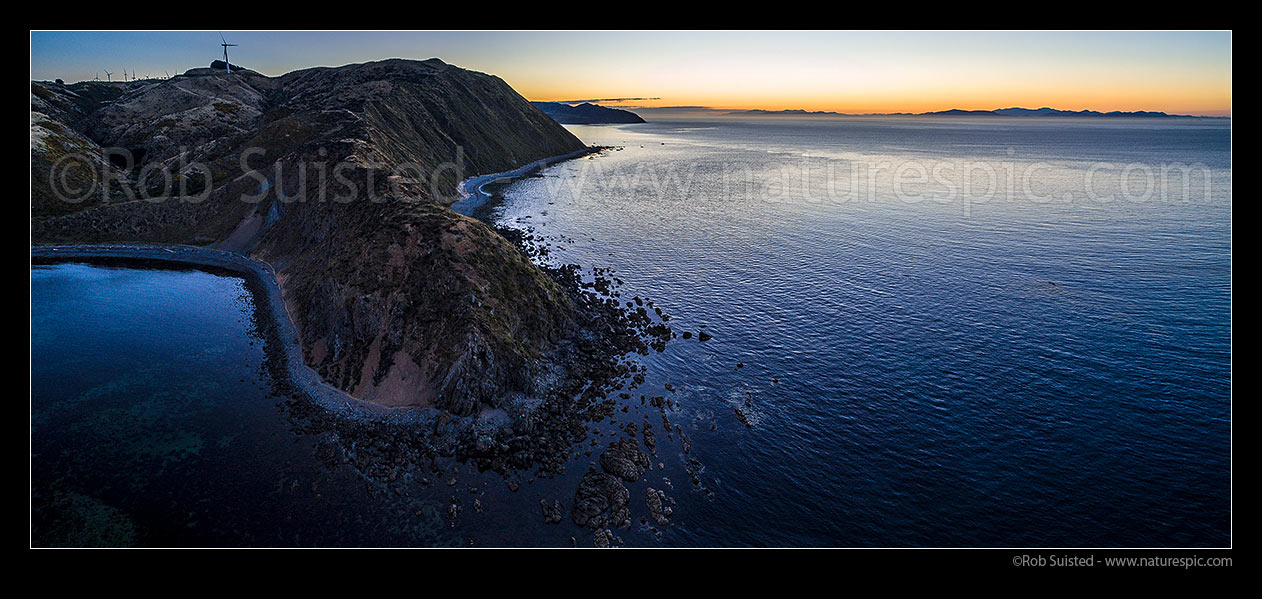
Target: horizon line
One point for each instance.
(804, 112)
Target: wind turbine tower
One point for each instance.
(107, 76)
(226, 65)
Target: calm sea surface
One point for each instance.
(942, 333)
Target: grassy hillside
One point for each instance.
(398, 299)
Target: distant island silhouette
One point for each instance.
(586, 113)
(1010, 112)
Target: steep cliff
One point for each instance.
(340, 178)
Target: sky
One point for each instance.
(842, 71)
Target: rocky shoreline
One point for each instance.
(397, 447)
(273, 313)
(528, 432)
(603, 501)
(426, 336)
(399, 300)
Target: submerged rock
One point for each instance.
(552, 513)
(654, 501)
(624, 459)
(650, 440)
(601, 500)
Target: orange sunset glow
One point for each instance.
(841, 71)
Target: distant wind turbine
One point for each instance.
(226, 65)
(107, 76)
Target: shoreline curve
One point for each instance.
(260, 277)
(472, 197)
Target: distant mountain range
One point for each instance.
(586, 114)
(1011, 112)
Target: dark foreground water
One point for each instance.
(152, 424)
(923, 361)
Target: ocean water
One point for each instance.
(930, 358)
(941, 333)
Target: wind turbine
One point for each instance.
(226, 65)
(107, 76)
